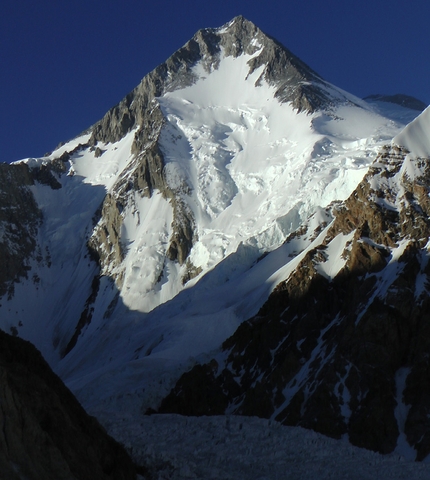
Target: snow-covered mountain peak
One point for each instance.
(163, 227)
(294, 82)
(233, 132)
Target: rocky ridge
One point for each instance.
(341, 349)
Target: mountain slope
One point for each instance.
(341, 344)
(158, 231)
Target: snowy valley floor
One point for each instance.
(232, 447)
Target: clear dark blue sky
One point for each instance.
(63, 64)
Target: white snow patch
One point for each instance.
(335, 261)
(344, 395)
(105, 169)
(145, 233)
(416, 136)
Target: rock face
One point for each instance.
(21, 217)
(19, 221)
(45, 433)
(341, 345)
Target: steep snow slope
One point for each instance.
(415, 137)
(257, 168)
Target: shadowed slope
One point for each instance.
(45, 433)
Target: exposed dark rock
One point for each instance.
(105, 242)
(98, 152)
(202, 395)
(43, 174)
(45, 433)
(20, 218)
(86, 315)
(192, 272)
(183, 235)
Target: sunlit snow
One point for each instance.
(415, 137)
(257, 167)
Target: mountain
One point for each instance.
(133, 251)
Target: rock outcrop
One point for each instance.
(45, 433)
(345, 353)
(143, 176)
(20, 218)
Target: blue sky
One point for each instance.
(63, 64)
